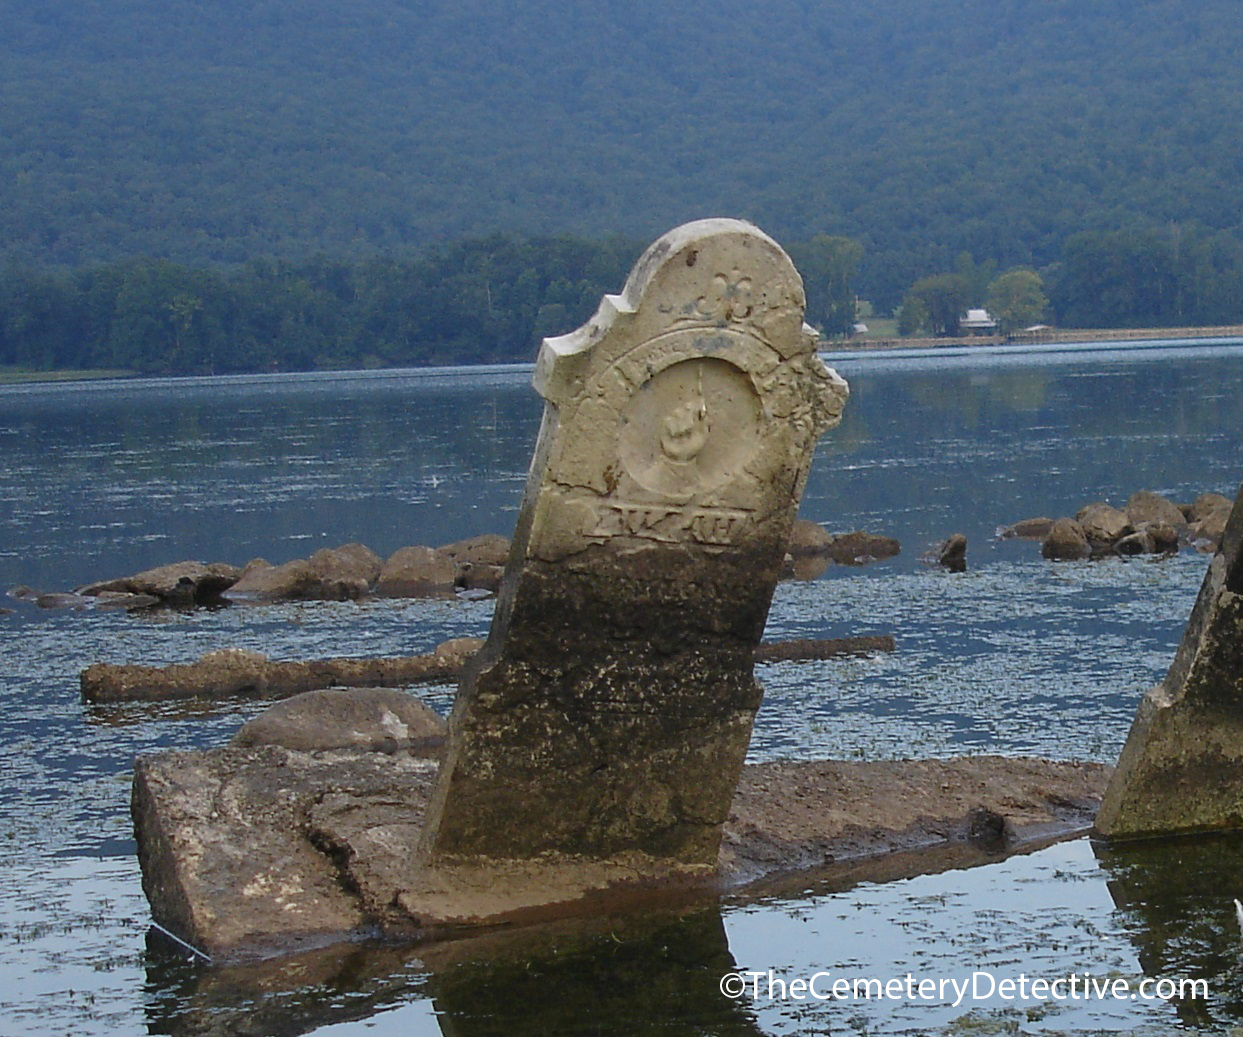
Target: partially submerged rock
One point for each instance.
(62, 601)
(806, 649)
(374, 719)
(1208, 526)
(236, 844)
(298, 580)
(811, 549)
(1103, 525)
(1148, 524)
(808, 538)
(950, 554)
(417, 572)
(859, 548)
(1027, 529)
(346, 573)
(1065, 541)
(181, 583)
(1146, 508)
(486, 549)
(236, 672)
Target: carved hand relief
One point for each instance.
(690, 428)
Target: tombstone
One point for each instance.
(609, 713)
(1181, 769)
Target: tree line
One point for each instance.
(214, 133)
(1140, 277)
(490, 300)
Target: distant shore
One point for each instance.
(1046, 336)
(1043, 336)
(22, 375)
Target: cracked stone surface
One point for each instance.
(268, 851)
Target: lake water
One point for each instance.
(1016, 656)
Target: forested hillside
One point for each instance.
(213, 134)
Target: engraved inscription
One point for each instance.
(717, 525)
(712, 526)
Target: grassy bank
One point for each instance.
(877, 339)
(17, 375)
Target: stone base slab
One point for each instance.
(254, 852)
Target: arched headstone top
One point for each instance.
(685, 410)
(716, 274)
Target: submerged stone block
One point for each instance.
(1181, 769)
(609, 713)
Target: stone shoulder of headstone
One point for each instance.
(373, 719)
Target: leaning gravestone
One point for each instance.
(609, 713)
(1181, 769)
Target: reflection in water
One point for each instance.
(280, 998)
(644, 974)
(1176, 899)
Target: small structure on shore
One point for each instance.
(978, 322)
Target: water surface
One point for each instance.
(1015, 656)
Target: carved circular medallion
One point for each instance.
(690, 428)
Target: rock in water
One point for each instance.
(1145, 507)
(953, 554)
(373, 719)
(1103, 525)
(1065, 542)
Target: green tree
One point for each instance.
(943, 298)
(829, 265)
(1016, 299)
(912, 316)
